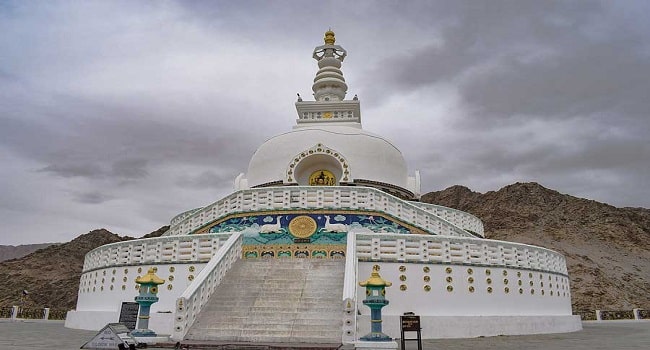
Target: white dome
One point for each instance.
(366, 156)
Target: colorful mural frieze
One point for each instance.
(321, 228)
(317, 235)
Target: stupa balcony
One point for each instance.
(310, 112)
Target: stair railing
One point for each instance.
(350, 291)
(197, 294)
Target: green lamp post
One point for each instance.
(375, 300)
(148, 286)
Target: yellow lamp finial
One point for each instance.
(329, 37)
(375, 279)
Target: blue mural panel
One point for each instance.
(329, 228)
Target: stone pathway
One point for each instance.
(610, 335)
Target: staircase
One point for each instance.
(275, 301)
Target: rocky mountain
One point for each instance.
(607, 248)
(51, 275)
(18, 251)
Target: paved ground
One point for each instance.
(611, 335)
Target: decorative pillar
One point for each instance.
(148, 286)
(375, 300)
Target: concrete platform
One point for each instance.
(605, 335)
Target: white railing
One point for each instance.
(350, 291)
(312, 197)
(168, 249)
(457, 250)
(182, 216)
(464, 220)
(197, 294)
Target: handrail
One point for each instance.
(458, 250)
(350, 290)
(197, 294)
(466, 221)
(169, 249)
(314, 197)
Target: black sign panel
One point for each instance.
(129, 314)
(410, 323)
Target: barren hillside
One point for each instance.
(607, 248)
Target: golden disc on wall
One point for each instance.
(302, 226)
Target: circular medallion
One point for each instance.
(302, 226)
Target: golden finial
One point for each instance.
(329, 37)
(375, 279)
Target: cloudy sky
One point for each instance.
(121, 114)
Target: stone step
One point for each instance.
(292, 300)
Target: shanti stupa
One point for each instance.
(279, 259)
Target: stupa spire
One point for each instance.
(329, 84)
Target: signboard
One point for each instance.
(411, 323)
(129, 314)
(112, 336)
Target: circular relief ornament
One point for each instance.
(426, 269)
(402, 268)
(402, 287)
(302, 226)
(427, 288)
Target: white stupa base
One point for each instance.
(439, 327)
(372, 345)
(161, 338)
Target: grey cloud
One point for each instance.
(589, 79)
(208, 179)
(130, 168)
(91, 197)
(73, 170)
(128, 112)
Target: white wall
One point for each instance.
(460, 301)
(97, 308)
